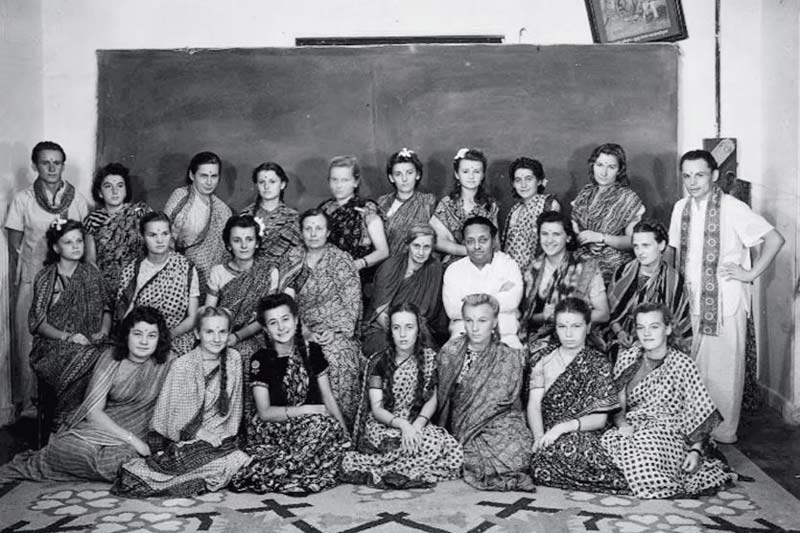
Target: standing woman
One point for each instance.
(71, 309)
(571, 395)
(356, 225)
(277, 221)
(162, 279)
(195, 422)
(298, 436)
(109, 427)
(398, 447)
(327, 289)
(606, 210)
(112, 231)
(520, 238)
(198, 215)
(406, 206)
(467, 199)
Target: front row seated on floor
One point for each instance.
(297, 442)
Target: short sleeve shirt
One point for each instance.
(267, 370)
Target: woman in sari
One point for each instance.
(237, 285)
(198, 215)
(195, 422)
(414, 277)
(278, 222)
(112, 231)
(298, 436)
(109, 427)
(398, 447)
(571, 394)
(162, 279)
(648, 279)
(661, 436)
(606, 210)
(356, 226)
(520, 238)
(467, 199)
(478, 400)
(405, 207)
(557, 274)
(325, 283)
(71, 309)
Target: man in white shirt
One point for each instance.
(30, 214)
(484, 270)
(712, 233)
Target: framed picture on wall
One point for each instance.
(636, 21)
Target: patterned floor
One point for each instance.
(748, 507)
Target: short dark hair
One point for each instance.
(46, 145)
(149, 315)
(404, 156)
(111, 169)
(531, 164)
(202, 158)
(695, 155)
(618, 152)
(54, 233)
(479, 221)
(313, 212)
(153, 216)
(574, 305)
(273, 301)
(654, 307)
(240, 221)
(559, 218)
(654, 227)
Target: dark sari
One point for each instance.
(280, 230)
(348, 226)
(416, 210)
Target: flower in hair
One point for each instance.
(58, 223)
(405, 152)
(461, 154)
(262, 228)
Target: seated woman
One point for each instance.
(162, 279)
(277, 221)
(298, 436)
(194, 426)
(356, 226)
(571, 394)
(666, 416)
(467, 199)
(405, 207)
(198, 215)
(520, 237)
(648, 279)
(112, 231)
(413, 277)
(237, 285)
(557, 274)
(109, 427)
(606, 210)
(398, 448)
(71, 309)
(478, 399)
(328, 293)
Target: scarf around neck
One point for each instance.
(59, 208)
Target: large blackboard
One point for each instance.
(301, 106)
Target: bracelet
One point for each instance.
(578, 420)
(391, 422)
(694, 450)
(604, 238)
(66, 336)
(366, 265)
(425, 417)
(130, 437)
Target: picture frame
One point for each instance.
(636, 21)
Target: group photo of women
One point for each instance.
(394, 342)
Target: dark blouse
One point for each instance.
(268, 370)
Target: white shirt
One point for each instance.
(463, 278)
(740, 229)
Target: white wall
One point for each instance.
(759, 98)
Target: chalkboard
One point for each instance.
(301, 106)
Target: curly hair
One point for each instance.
(148, 315)
(531, 164)
(54, 233)
(615, 150)
(656, 228)
(559, 218)
(574, 305)
(111, 169)
(404, 156)
(240, 221)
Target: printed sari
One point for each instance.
(479, 404)
(117, 238)
(576, 460)
(75, 305)
(669, 409)
(329, 298)
(182, 464)
(280, 231)
(450, 212)
(610, 212)
(520, 238)
(348, 226)
(415, 210)
(83, 449)
(380, 461)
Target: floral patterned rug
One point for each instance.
(754, 506)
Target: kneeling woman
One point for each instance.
(571, 394)
(298, 437)
(194, 426)
(397, 446)
(480, 380)
(109, 427)
(666, 417)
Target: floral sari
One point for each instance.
(280, 230)
(520, 238)
(415, 210)
(479, 404)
